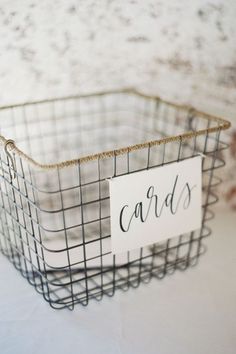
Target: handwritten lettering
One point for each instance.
(177, 198)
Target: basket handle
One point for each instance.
(12, 172)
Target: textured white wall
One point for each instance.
(182, 50)
(51, 48)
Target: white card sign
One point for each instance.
(156, 204)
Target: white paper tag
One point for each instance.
(156, 204)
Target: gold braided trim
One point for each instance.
(221, 124)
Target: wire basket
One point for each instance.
(55, 217)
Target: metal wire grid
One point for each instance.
(55, 224)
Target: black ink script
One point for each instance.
(177, 198)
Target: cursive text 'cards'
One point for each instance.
(156, 204)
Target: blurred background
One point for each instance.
(182, 51)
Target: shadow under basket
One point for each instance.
(54, 194)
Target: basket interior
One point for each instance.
(60, 130)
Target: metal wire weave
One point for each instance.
(54, 196)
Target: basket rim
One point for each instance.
(221, 124)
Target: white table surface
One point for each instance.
(192, 312)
